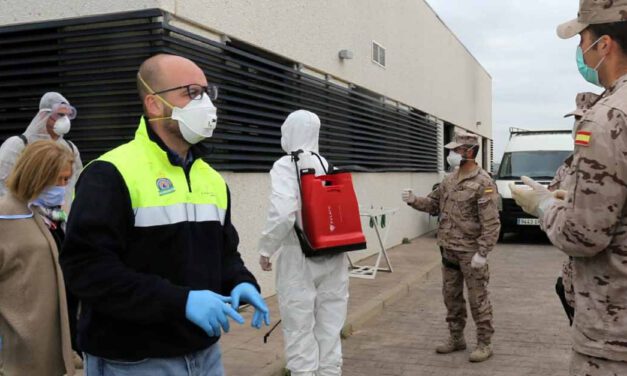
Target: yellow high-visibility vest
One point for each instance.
(160, 192)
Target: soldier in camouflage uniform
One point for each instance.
(591, 223)
(561, 182)
(466, 202)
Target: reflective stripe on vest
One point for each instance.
(159, 192)
(165, 215)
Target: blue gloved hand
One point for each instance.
(248, 293)
(209, 311)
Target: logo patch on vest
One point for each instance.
(165, 186)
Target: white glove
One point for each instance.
(408, 196)
(533, 201)
(478, 261)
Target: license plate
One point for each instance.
(528, 221)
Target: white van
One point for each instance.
(534, 153)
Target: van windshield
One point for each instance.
(535, 164)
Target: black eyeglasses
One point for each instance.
(194, 91)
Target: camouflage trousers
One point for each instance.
(456, 270)
(584, 365)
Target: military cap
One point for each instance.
(462, 138)
(593, 12)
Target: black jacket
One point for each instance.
(133, 282)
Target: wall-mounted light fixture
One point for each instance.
(345, 54)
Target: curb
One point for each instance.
(374, 307)
(357, 319)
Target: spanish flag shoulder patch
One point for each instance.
(488, 190)
(583, 138)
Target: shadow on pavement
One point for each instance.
(526, 236)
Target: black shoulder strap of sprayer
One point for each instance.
(305, 245)
(296, 158)
(25, 141)
(300, 234)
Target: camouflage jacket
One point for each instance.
(561, 175)
(591, 225)
(467, 206)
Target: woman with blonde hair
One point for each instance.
(34, 327)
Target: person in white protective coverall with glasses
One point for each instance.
(312, 291)
(52, 122)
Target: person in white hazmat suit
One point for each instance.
(313, 291)
(52, 122)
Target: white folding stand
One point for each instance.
(374, 215)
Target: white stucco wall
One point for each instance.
(427, 67)
(250, 192)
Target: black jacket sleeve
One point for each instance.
(97, 232)
(233, 270)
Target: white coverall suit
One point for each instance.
(11, 149)
(312, 292)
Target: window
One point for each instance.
(378, 54)
(535, 164)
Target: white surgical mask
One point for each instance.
(61, 126)
(454, 159)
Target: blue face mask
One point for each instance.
(51, 197)
(589, 74)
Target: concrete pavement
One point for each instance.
(532, 334)
(244, 352)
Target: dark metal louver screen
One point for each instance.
(93, 62)
(491, 154)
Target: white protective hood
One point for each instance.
(300, 131)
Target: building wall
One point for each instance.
(427, 67)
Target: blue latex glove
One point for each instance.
(248, 293)
(210, 311)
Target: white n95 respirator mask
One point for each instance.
(62, 126)
(197, 119)
(454, 159)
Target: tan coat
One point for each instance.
(591, 226)
(33, 311)
(469, 216)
